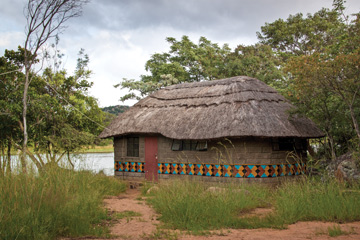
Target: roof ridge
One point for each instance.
(210, 96)
(211, 82)
(210, 104)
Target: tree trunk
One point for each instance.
(2, 161)
(331, 146)
(310, 150)
(355, 123)
(8, 163)
(25, 141)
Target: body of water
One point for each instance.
(95, 162)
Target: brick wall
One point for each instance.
(247, 151)
(234, 151)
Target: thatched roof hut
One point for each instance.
(233, 107)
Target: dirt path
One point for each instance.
(144, 227)
(135, 227)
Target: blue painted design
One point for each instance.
(199, 166)
(227, 170)
(183, 169)
(191, 172)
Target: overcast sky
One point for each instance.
(121, 35)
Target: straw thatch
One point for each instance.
(232, 107)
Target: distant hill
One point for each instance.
(115, 109)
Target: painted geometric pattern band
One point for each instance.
(218, 170)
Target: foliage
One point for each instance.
(115, 110)
(62, 117)
(10, 103)
(57, 203)
(190, 62)
(45, 20)
(258, 61)
(299, 36)
(321, 63)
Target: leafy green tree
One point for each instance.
(320, 59)
(258, 61)
(10, 103)
(300, 35)
(65, 118)
(62, 117)
(190, 62)
(185, 62)
(45, 20)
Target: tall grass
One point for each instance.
(313, 200)
(190, 206)
(56, 203)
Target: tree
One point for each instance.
(45, 20)
(185, 62)
(10, 103)
(299, 36)
(320, 59)
(258, 61)
(190, 62)
(64, 117)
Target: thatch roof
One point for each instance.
(232, 107)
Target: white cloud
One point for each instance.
(120, 36)
(10, 40)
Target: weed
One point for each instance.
(145, 187)
(335, 231)
(160, 233)
(127, 214)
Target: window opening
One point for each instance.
(133, 146)
(288, 144)
(188, 145)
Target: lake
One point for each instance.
(95, 162)
(85, 161)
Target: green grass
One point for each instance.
(190, 206)
(187, 205)
(57, 203)
(99, 149)
(127, 214)
(335, 231)
(312, 200)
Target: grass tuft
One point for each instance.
(335, 231)
(127, 214)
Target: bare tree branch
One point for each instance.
(45, 20)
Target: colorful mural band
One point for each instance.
(218, 170)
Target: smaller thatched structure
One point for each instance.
(191, 121)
